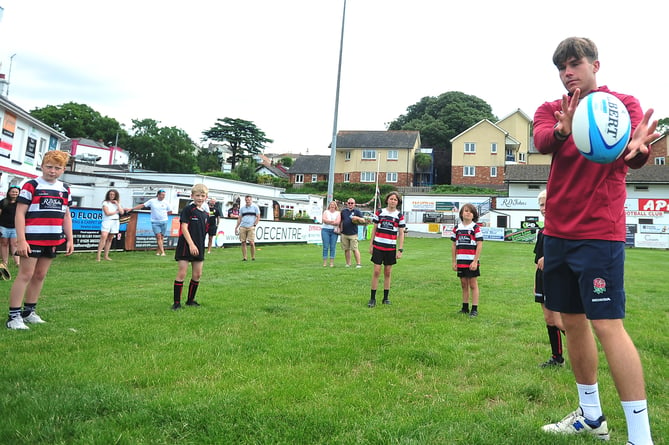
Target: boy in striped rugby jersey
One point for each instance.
(43, 222)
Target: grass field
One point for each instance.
(284, 351)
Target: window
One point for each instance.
(659, 160)
(521, 157)
(393, 155)
(367, 176)
(347, 156)
(493, 172)
(299, 179)
(368, 154)
(469, 170)
(391, 177)
(314, 178)
(347, 176)
(510, 156)
(470, 147)
(493, 148)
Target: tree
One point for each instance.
(287, 161)
(246, 170)
(663, 125)
(439, 119)
(243, 137)
(164, 149)
(81, 121)
(208, 161)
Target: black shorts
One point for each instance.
(539, 296)
(468, 273)
(385, 257)
(211, 230)
(42, 251)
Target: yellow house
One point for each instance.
(480, 153)
(362, 155)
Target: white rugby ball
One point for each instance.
(601, 127)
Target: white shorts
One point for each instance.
(110, 226)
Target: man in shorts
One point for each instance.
(350, 218)
(249, 216)
(160, 211)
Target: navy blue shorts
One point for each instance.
(585, 277)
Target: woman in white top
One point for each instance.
(331, 220)
(111, 211)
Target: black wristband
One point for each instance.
(561, 137)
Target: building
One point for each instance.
(23, 142)
(365, 156)
(88, 150)
(308, 169)
(481, 153)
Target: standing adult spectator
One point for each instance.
(248, 219)
(584, 247)
(212, 222)
(330, 232)
(111, 211)
(350, 219)
(7, 227)
(160, 211)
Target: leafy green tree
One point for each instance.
(208, 161)
(163, 149)
(81, 121)
(287, 161)
(246, 170)
(243, 137)
(663, 125)
(439, 119)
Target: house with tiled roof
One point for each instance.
(481, 153)
(362, 155)
(309, 168)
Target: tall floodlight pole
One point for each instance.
(9, 75)
(333, 146)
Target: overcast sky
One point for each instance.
(274, 62)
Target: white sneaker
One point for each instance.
(16, 323)
(575, 423)
(358, 266)
(33, 318)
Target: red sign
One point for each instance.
(654, 205)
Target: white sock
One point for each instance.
(588, 397)
(638, 427)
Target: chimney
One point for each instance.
(4, 86)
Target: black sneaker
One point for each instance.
(371, 303)
(552, 362)
(386, 301)
(474, 313)
(192, 303)
(463, 311)
(176, 306)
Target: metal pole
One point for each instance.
(9, 74)
(333, 146)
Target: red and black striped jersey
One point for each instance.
(388, 225)
(466, 239)
(47, 206)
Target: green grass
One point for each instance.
(284, 351)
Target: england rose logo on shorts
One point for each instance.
(599, 285)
